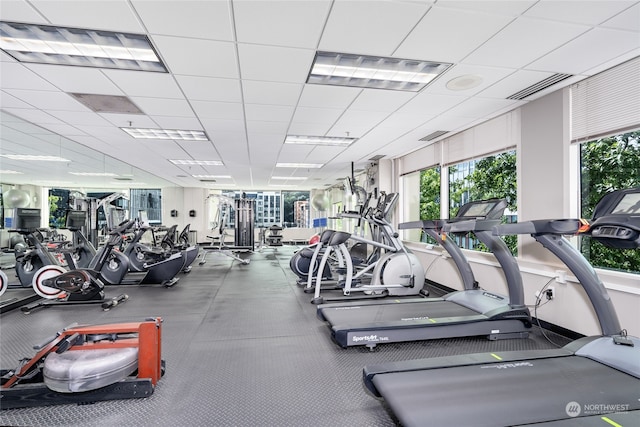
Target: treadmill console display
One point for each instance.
(483, 209)
(630, 205)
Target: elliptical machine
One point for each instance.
(82, 285)
(397, 272)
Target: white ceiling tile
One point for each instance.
(509, 8)
(20, 11)
(475, 108)
(38, 117)
(163, 106)
(275, 64)
(354, 27)
(197, 19)
(380, 100)
(210, 89)
(8, 101)
(261, 112)
(355, 123)
(627, 20)
(522, 42)
(591, 12)
(273, 93)
(321, 96)
(197, 57)
(129, 120)
(76, 79)
(316, 115)
(443, 23)
(275, 22)
(112, 15)
(137, 83)
(49, 100)
(302, 128)
(427, 104)
(174, 122)
(199, 150)
(218, 110)
(14, 75)
(292, 153)
(588, 51)
(213, 126)
(65, 130)
(261, 127)
(80, 118)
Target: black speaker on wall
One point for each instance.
(192, 213)
(174, 213)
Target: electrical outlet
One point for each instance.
(550, 293)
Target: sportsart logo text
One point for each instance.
(369, 338)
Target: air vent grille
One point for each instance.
(107, 103)
(433, 135)
(541, 85)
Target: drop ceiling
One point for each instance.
(238, 72)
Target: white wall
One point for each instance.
(184, 200)
(540, 131)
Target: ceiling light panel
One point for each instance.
(29, 157)
(343, 69)
(318, 140)
(292, 178)
(174, 134)
(197, 162)
(300, 165)
(45, 44)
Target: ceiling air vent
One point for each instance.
(433, 135)
(541, 85)
(208, 180)
(120, 178)
(107, 103)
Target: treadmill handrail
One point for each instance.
(550, 234)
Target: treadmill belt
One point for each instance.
(505, 394)
(401, 312)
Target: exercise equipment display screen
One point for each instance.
(477, 210)
(630, 204)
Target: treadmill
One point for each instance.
(591, 381)
(470, 312)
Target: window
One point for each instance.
(295, 208)
(58, 205)
(608, 164)
(489, 177)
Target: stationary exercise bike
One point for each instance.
(82, 285)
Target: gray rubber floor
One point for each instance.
(243, 347)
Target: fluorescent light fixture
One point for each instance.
(93, 173)
(300, 165)
(30, 157)
(183, 135)
(343, 69)
(292, 178)
(213, 176)
(318, 140)
(197, 162)
(9, 172)
(46, 44)
(53, 184)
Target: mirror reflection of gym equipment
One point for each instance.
(243, 228)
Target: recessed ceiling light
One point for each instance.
(213, 176)
(30, 157)
(292, 178)
(318, 140)
(182, 135)
(300, 165)
(9, 172)
(93, 174)
(467, 81)
(197, 162)
(376, 72)
(46, 44)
